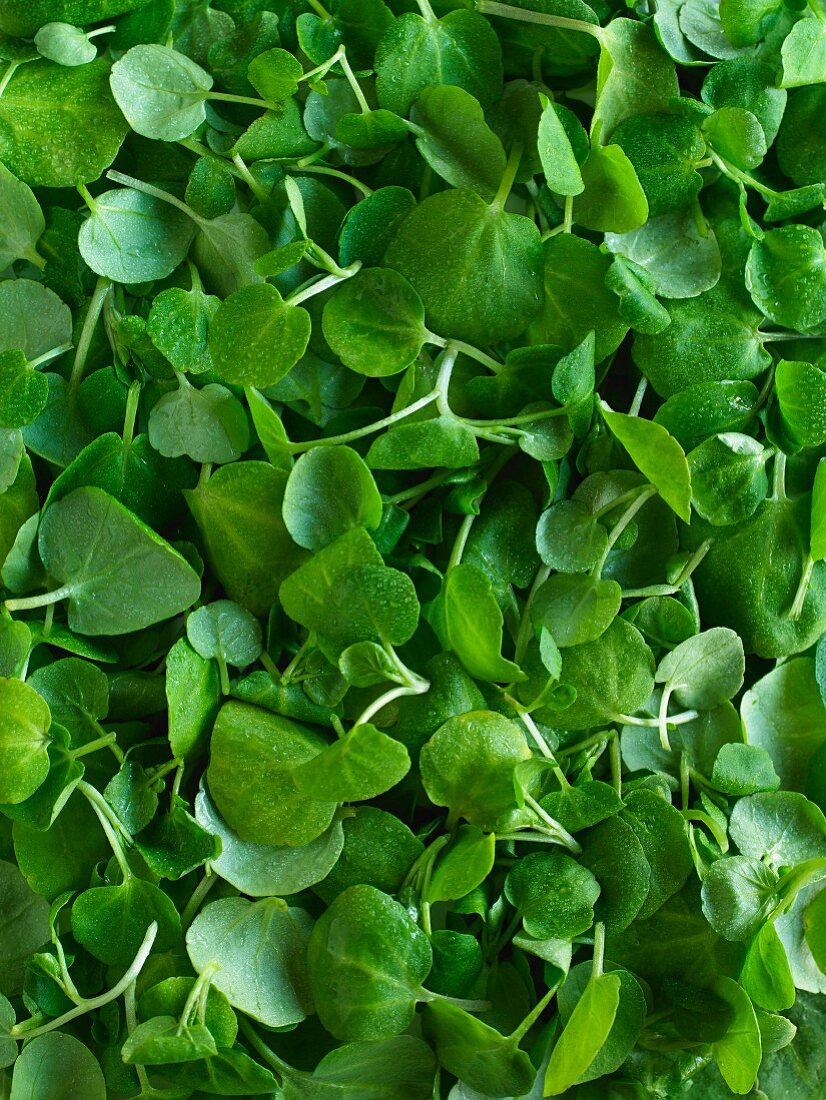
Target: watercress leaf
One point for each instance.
(613, 199)
(613, 674)
(574, 375)
(656, 246)
(463, 866)
(616, 858)
(379, 850)
(554, 895)
(627, 1023)
(57, 1066)
(374, 322)
(275, 74)
(584, 1034)
(576, 609)
(363, 764)
(739, 1052)
(786, 276)
(226, 631)
(560, 162)
(65, 44)
(35, 320)
(161, 92)
(163, 1040)
(258, 309)
(366, 961)
(23, 394)
(226, 250)
(804, 53)
(738, 895)
(369, 226)
(800, 391)
(21, 223)
(269, 983)
(178, 325)
(475, 1052)
(723, 339)
(457, 143)
(744, 769)
(238, 512)
(461, 49)
(469, 622)
(576, 299)
(398, 1068)
(452, 249)
(98, 551)
(657, 455)
(782, 827)
(746, 22)
(578, 807)
(267, 870)
(60, 126)
(468, 765)
(817, 534)
(705, 670)
(766, 975)
(664, 151)
(253, 755)
(635, 290)
(634, 76)
(728, 477)
(111, 921)
(784, 714)
(443, 441)
(24, 740)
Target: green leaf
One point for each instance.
(556, 149)
(253, 755)
(554, 895)
(367, 959)
(584, 1035)
(270, 984)
(65, 44)
(57, 1066)
(801, 389)
(178, 326)
(25, 917)
(111, 921)
(21, 221)
(705, 670)
(766, 976)
(739, 1052)
(469, 622)
(475, 1052)
(161, 92)
(442, 441)
(782, 827)
(363, 764)
(23, 391)
(58, 126)
(804, 53)
(99, 552)
(457, 143)
(374, 322)
(728, 477)
(463, 866)
(613, 199)
(657, 455)
(258, 310)
(226, 631)
(786, 276)
(634, 76)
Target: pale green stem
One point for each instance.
(354, 84)
(197, 898)
(468, 350)
(109, 823)
(132, 399)
(555, 826)
(615, 756)
(636, 404)
(681, 719)
(249, 179)
(369, 429)
(47, 355)
(507, 11)
(26, 603)
(662, 717)
(104, 742)
(645, 495)
(418, 688)
(322, 284)
(461, 542)
(796, 609)
(599, 948)
(20, 1031)
(90, 321)
(509, 176)
(321, 170)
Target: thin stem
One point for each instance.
(531, 727)
(520, 1032)
(394, 693)
(461, 542)
(8, 74)
(357, 433)
(654, 723)
(89, 324)
(20, 1031)
(416, 491)
(426, 10)
(131, 1014)
(322, 284)
(107, 822)
(155, 192)
(467, 349)
(796, 609)
(555, 826)
(636, 404)
(26, 603)
(599, 948)
(507, 11)
(779, 478)
(644, 496)
(249, 101)
(685, 780)
(104, 742)
(319, 154)
(197, 898)
(132, 399)
(568, 215)
(47, 355)
(662, 717)
(249, 179)
(523, 637)
(223, 674)
(615, 756)
(261, 1048)
(508, 177)
(354, 84)
(322, 170)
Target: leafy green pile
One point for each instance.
(413, 549)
